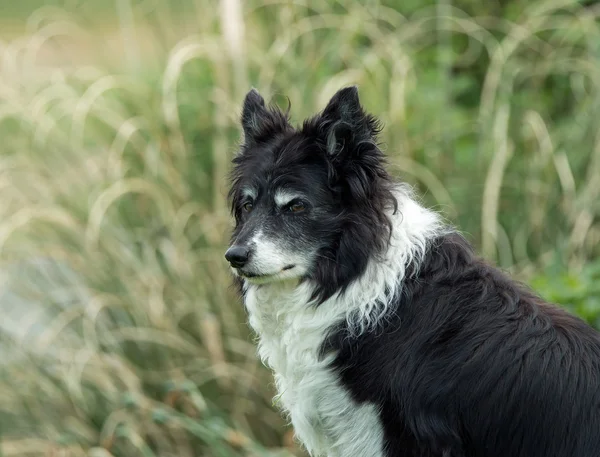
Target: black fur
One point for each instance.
(333, 157)
(472, 364)
(468, 363)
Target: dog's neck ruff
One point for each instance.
(365, 302)
(292, 330)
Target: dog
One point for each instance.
(387, 335)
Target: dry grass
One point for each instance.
(120, 334)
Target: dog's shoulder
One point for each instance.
(462, 348)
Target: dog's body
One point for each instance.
(387, 336)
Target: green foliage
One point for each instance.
(120, 334)
(579, 292)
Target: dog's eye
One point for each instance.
(248, 206)
(296, 207)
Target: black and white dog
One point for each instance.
(387, 336)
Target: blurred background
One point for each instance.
(120, 334)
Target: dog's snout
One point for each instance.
(237, 256)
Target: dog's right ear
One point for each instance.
(254, 115)
(259, 122)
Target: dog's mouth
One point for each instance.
(252, 275)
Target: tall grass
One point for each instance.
(120, 334)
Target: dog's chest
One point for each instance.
(325, 418)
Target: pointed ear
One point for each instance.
(344, 123)
(254, 113)
(344, 105)
(261, 122)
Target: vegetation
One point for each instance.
(120, 335)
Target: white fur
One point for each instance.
(270, 260)
(250, 193)
(325, 418)
(283, 197)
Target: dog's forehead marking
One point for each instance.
(284, 196)
(249, 192)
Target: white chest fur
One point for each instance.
(325, 418)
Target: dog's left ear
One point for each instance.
(345, 124)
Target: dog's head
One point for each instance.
(312, 202)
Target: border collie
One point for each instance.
(387, 336)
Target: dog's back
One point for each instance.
(470, 363)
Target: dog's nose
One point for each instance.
(237, 256)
